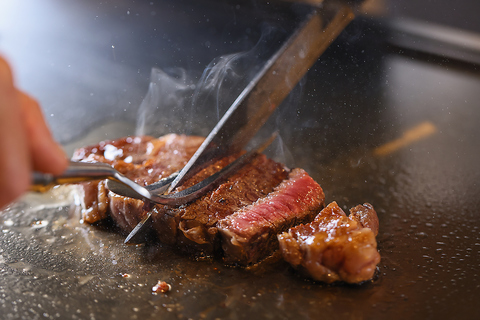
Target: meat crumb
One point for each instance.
(161, 287)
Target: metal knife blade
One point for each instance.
(269, 88)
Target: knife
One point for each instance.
(269, 88)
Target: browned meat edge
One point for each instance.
(194, 226)
(249, 234)
(142, 159)
(334, 247)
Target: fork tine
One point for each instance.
(205, 185)
(198, 189)
(156, 188)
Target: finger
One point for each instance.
(47, 155)
(14, 157)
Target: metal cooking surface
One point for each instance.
(360, 96)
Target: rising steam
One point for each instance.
(175, 103)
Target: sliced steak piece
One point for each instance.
(146, 160)
(334, 247)
(250, 234)
(142, 159)
(194, 226)
(95, 201)
(366, 216)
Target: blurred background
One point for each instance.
(89, 63)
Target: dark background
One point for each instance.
(458, 14)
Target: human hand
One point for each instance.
(25, 140)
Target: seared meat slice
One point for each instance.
(146, 160)
(241, 216)
(366, 216)
(194, 226)
(250, 234)
(334, 247)
(142, 159)
(95, 201)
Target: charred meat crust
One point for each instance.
(334, 247)
(249, 234)
(244, 217)
(191, 227)
(195, 225)
(366, 216)
(142, 159)
(95, 201)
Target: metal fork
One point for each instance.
(88, 171)
(137, 235)
(120, 184)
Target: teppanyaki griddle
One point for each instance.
(397, 128)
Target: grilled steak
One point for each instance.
(243, 216)
(195, 225)
(334, 247)
(250, 234)
(145, 160)
(366, 216)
